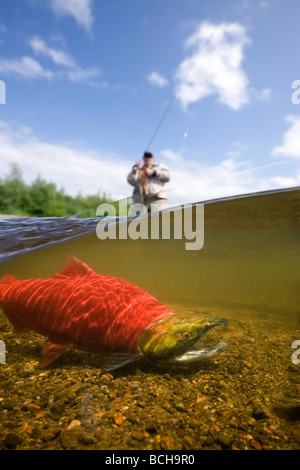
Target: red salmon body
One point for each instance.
(81, 309)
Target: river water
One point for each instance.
(246, 271)
(250, 256)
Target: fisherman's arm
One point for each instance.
(162, 173)
(134, 174)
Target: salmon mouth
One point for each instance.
(196, 355)
(199, 353)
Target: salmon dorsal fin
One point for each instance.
(73, 267)
(7, 279)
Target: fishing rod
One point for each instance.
(161, 122)
(176, 94)
(157, 129)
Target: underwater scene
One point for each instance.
(208, 358)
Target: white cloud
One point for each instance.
(67, 67)
(157, 79)
(172, 157)
(286, 182)
(214, 66)
(79, 168)
(237, 149)
(24, 67)
(291, 139)
(76, 73)
(80, 10)
(192, 181)
(261, 95)
(79, 75)
(58, 56)
(239, 145)
(233, 153)
(74, 168)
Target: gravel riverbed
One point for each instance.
(247, 397)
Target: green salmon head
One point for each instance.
(174, 339)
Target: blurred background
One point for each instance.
(87, 82)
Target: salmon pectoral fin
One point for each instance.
(117, 360)
(50, 352)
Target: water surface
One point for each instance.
(251, 254)
(247, 397)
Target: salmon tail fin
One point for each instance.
(74, 267)
(7, 279)
(50, 352)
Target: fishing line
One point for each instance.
(176, 94)
(161, 121)
(215, 178)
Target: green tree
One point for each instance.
(13, 191)
(42, 198)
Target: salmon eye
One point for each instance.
(186, 335)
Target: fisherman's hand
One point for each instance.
(139, 162)
(149, 171)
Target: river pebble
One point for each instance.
(12, 440)
(245, 399)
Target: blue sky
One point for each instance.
(88, 81)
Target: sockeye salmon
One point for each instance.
(78, 308)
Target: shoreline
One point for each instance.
(10, 216)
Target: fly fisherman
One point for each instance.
(149, 182)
